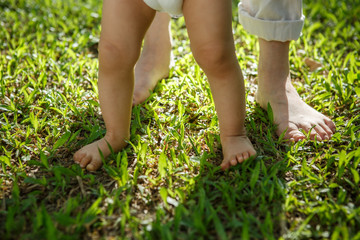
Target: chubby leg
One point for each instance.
(154, 60)
(291, 113)
(124, 24)
(210, 31)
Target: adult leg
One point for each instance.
(154, 61)
(210, 31)
(124, 23)
(291, 113)
(276, 23)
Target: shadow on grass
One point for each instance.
(244, 202)
(55, 199)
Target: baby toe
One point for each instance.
(224, 165)
(85, 161)
(252, 152)
(315, 135)
(240, 158)
(78, 156)
(93, 166)
(233, 162)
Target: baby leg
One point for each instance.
(154, 60)
(124, 24)
(210, 31)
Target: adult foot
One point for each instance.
(154, 61)
(292, 114)
(236, 149)
(89, 156)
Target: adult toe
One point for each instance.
(294, 135)
(327, 129)
(330, 124)
(321, 132)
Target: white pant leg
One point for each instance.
(272, 20)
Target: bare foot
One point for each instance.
(148, 71)
(89, 156)
(291, 114)
(154, 61)
(236, 149)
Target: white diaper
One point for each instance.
(173, 7)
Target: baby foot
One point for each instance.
(154, 61)
(236, 149)
(291, 114)
(89, 156)
(148, 71)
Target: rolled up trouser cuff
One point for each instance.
(271, 30)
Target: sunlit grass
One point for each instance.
(167, 184)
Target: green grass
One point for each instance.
(167, 183)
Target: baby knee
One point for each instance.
(213, 57)
(117, 54)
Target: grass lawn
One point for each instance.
(167, 184)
